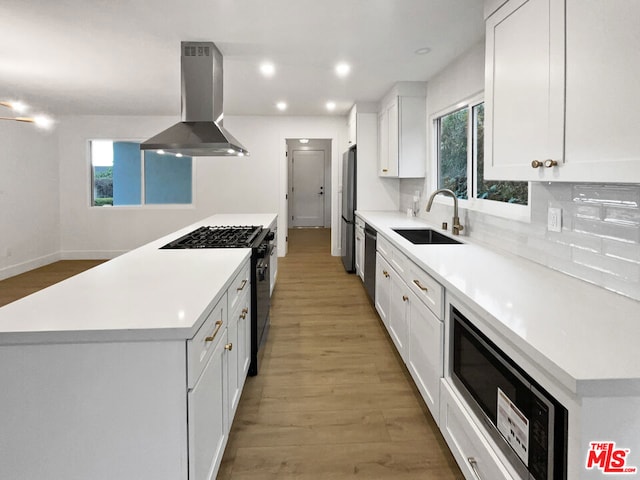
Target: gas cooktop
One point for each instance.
(218, 237)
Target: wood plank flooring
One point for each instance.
(19, 286)
(332, 399)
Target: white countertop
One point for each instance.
(146, 294)
(584, 336)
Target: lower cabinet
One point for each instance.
(474, 454)
(238, 349)
(409, 303)
(383, 288)
(426, 352)
(208, 410)
(359, 260)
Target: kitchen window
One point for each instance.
(123, 175)
(459, 153)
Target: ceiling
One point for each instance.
(122, 57)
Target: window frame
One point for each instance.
(512, 211)
(142, 205)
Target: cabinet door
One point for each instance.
(394, 138)
(244, 339)
(524, 90)
(383, 144)
(383, 289)
(426, 353)
(399, 307)
(602, 104)
(207, 405)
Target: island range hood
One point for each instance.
(200, 133)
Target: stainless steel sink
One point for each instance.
(425, 236)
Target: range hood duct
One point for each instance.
(200, 133)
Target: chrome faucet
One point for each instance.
(456, 228)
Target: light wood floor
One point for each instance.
(332, 399)
(13, 288)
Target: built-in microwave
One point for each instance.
(525, 421)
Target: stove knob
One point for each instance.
(270, 236)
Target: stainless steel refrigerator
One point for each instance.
(347, 240)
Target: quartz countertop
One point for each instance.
(582, 335)
(146, 294)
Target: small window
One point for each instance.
(460, 158)
(124, 175)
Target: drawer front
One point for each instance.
(240, 285)
(202, 345)
(426, 289)
(469, 447)
(398, 261)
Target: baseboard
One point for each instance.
(13, 270)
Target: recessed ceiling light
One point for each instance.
(422, 51)
(331, 106)
(343, 69)
(267, 69)
(161, 152)
(231, 151)
(281, 106)
(304, 140)
(179, 155)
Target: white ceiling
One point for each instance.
(122, 57)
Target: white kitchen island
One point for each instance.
(104, 375)
(579, 341)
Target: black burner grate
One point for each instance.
(218, 237)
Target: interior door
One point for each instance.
(307, 188)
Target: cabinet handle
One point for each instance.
(474, 466)
(244, 313)
(536, 164)
(424, 289)
(550, 163)
(215, 332)
(384, 170)
(244, 282)
(404, 298)
(228, 346)
(385, 273)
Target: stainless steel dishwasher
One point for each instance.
(370, 236)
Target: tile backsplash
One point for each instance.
(600, 238)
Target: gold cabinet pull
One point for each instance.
(420, 286)
(404, 298)
(244, 313)
(537, 164)
(384, 170)
(228, 346)
(550, 163)
(385, 273)
(215, 332)
(244, 282)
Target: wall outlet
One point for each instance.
(554, 219)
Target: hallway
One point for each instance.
(332, 399)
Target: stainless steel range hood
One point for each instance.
(200, 133)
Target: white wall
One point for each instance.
(255, 183)
(29, 198)
(600, 238)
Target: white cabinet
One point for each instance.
(359, 260)
(208, 408)
(411, 306)
(352, 126)
(399, 311)
(383, 288)
(474, 454)
(524, 90)
(273, 259)
(560, 94)
(426, 344)
(402, 124)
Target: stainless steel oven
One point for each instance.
(525, 421)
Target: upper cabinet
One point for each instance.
(561, 101)
(352, 125)
(402, 130)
